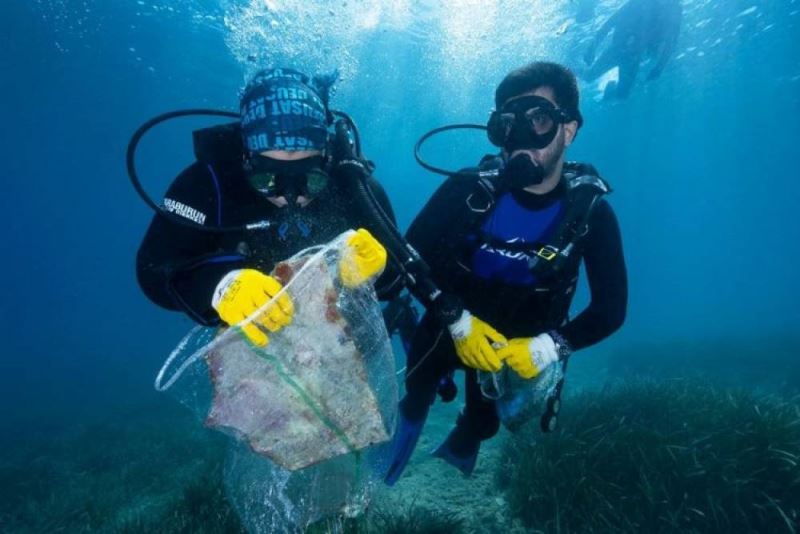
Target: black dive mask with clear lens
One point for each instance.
(290, 179)
(525, 123)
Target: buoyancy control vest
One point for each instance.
(554, 262)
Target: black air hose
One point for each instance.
(414, 268)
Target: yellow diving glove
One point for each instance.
(473, 340)
(363, 258)
(529, 356)
(242, 292)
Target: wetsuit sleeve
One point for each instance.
(608, 282)
(177, 266)
(391, 282)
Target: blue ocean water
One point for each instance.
(706, 187)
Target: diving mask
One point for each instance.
(524, 123)
(291, 179)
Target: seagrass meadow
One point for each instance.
(677, 456)
(634, 455)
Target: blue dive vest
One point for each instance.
(522, 229)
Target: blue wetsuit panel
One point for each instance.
(510, 222)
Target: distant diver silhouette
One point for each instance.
(642, 29)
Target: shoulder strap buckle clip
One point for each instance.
(547, 252)
(486, 188)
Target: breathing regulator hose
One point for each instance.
(414, 268)
(133, 175)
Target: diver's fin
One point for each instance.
(459, 450)
(405, 440)
(610, 91)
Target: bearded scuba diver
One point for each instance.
(507, 238)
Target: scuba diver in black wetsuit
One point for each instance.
(263, 188)
(285, 176)
(508, 239)
(642, 28)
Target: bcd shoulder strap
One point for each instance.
(585, 188)
(482, 193)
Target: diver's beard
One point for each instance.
(551, 156)
(551, 165)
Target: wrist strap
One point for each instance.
(223, 286)
(448, 309)
(562, 345)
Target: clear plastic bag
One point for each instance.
(519, 400)
(312, 412)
